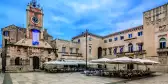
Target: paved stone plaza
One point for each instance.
(77, 78)
(1, 78)
(58, 78)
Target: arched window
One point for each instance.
(17, 61)
(140, 47)
(130, 47)
(78, 40)
(121, 49)
(162, 42)
(115, 50)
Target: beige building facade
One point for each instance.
(145, 41)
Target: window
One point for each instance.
(109, 51)
(140, 47)
(115, 50)
(105, 41)
(121, 37)
(162, 42)
(49, 52)
(49, 59)
(77, 50)
(6, 33)
(71, 50)
(78, 40)
(110, 40)
(63, 49)
(90, 49)
(130, 47)
(105, 52)
(35, 34)
(129, 35)
(121, 49)
(140, 33)
(115, 39)
(90, 39)
(17, 61)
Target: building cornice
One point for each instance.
(113, 34)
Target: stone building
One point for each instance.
(27, 48)
(145, 41)
(68, 49)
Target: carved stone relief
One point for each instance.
(162, 28)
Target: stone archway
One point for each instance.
(99, 55)
(36, 62)
(17, 61)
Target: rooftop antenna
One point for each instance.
(34, 3)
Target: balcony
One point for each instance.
(130, 39)
(63, 52)
(162, 50)
(72, 54)
(131, 53)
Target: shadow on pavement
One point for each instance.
(7, 79)
(133, 79)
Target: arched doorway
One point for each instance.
(17, 61)
(99, 52)
(36, 62)
(130, 66)
(99, 55)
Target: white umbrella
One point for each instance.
(149, 62)
(61, 63)
(101, 60)
(144, 61)
(138, 61)
(120, 60)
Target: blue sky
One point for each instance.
(67, 18)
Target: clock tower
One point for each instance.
(34, 29)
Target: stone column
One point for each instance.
(40, 62)
(7, 61)
(135, 56)
(144, 56)
(31, 61)
(42, 33)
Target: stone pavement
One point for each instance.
(59, 78)
(1, 78)
(162, 78)
(77, 78)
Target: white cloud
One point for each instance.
(104, 33)
(116, 14)
(128, 24)
(59, 18)
(56, 32)
(81, 8)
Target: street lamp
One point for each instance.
(85, 35)
(4, 50)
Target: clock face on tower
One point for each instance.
(35, 20)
